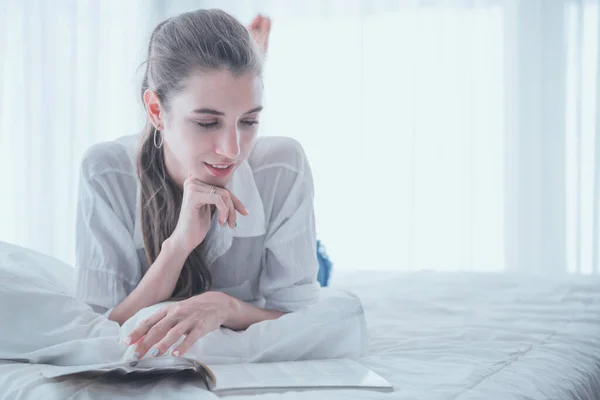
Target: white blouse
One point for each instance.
(268, 260)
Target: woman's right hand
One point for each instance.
(195, 215)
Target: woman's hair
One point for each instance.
(197, 41)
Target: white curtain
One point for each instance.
(68, 80)
(448, 135)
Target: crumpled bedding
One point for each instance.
(335, 327)
(433, 335)
(47, 325)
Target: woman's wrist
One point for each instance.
(228, 305)
(175, 246)
(233, 307)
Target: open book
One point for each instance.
(237, 379)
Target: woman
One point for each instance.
(197, 210)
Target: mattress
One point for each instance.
(433, 335)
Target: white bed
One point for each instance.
(433, 336)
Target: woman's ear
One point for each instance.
(153, 108)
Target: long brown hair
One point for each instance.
(201, 40)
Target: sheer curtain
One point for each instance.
(68, 78)
(448, 135)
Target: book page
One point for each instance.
(298, 374)
(159, 366)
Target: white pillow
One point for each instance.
(333, 327)
(43, 323)
(41, 320)
(41, 270)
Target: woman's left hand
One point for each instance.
(194, 317)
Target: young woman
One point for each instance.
(197, 210)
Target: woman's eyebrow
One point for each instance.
(208, 111)
(220, 113)
(256, 109)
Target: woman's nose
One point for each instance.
(228, 144)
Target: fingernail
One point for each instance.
(127, 340)
(136, 356)
(176, 353)
(154, 352)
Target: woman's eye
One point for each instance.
(249, 122)
(207, 124)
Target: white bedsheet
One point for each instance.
(433, 335)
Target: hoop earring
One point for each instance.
(157, 145)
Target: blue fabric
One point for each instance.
(324, 265)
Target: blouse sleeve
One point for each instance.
(106, 256)
(288, 280)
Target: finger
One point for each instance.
(226, 208)
(190, 180)
(237, 204)
(231, 215)
(197, 185)
(228, 216)
(195, 334)
(143, 328)
(214, 198)
(154, 336)
(139, 340)
(223, 208)
(202, 198)
(173, 336)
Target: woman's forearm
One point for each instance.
(242, 314)
(156, 286)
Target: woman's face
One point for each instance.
(211, 126)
